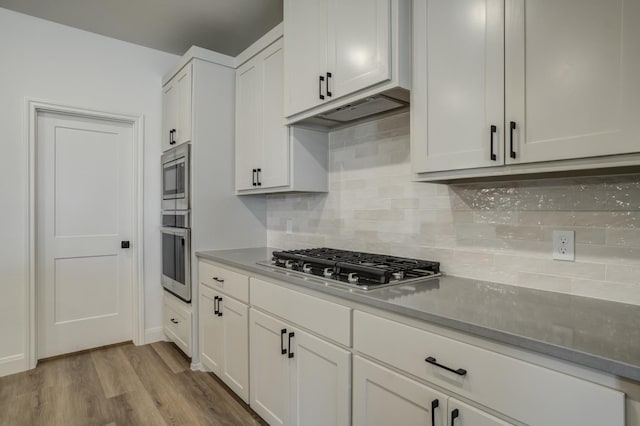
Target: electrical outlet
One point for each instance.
(289, 226)
(564, 245)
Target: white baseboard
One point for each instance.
(13, 364)
(197, 367)
(155, 334)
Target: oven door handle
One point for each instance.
(181, 232)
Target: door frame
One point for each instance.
(34, 107)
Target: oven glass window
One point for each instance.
(173, 179)
(173, 257)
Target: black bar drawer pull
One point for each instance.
(454, 415)
(320, 87)
(220, 280)
(329, 75)
(512, 128)
(459, 371)
(290, 336)
(494, 129)
(255, 181)
(283, 351)
(434, 404)
(219, 310)
(258, 171)
(173, 320)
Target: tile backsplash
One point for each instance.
(497, 232)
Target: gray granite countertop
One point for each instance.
(599, 334)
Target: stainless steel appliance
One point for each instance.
(175, 179)
(363, 271)
(176, 253)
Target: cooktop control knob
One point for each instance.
(352, 277)
(398, 275)
(288, 264)
(306, 268)
(328, 272)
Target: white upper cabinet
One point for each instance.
(176, 109)
(573, 78)
(458, 96)
(306, 58)
(560, 81)
(272, 157)
(358, 45)
(339, 51)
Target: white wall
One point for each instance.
(55, 63)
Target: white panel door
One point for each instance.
(269, 368)
(572, 78)
(169, 114)
(248, 123)
(461, 414)
(84, 211)
(382, 397)
(235, 345)
(359, 45)
(211, 331)
(183, 84)
(319, 382)
(275, 155)
(458, 90)
(305, 57)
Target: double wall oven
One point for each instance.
(176, 222)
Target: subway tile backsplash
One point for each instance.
(491, 231)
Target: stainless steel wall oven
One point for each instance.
(176, 253)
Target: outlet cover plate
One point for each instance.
(564, 245)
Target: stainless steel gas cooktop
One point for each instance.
(364, 271)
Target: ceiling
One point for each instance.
(225, 26)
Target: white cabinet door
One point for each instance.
(458, 85)
(235, 345)
(183, 83)
(169, 113)
(572, 78)
(382, 397)
(319, 381)
(274, 167)
(269, 368)
(248, 123)
(305, 37)
(359, 53)
(461, 414)
(211, 331)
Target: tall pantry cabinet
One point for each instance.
(204, 85)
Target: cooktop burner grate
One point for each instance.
(364, 270)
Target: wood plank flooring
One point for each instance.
(120, 385)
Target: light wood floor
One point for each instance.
(120, 385)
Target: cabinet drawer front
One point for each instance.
(320, 316)
(177, 326)
(229, 282)
(516, 388)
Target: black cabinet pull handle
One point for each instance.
(254, 177)
(219, 310)
(290, 336)
(459, 371)
(434, 404)
(329, 75)
(215, 305)
(320, 87)
(173, 320)
(454, 415)
(512, 128)
(494, 129)
(283, 351)
(172, 135)
(220, 280)
(258, 174)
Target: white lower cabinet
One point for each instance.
(382, 397)
(224, 339)
(297, 378)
